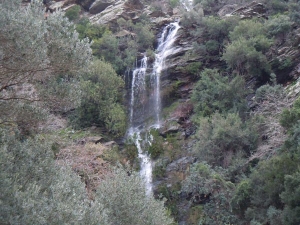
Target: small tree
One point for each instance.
(101, 99)
(35, 52)
(125, 199)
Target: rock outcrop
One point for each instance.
(99, 5)
(254, 9)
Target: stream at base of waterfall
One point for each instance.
(142, 100)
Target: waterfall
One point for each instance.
(164, 50)
(137, 86)
(140, 103)
(187, 4)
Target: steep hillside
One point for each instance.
(197, 99)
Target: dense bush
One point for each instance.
(101, 99)
(214, 92)
(246, 52)
(35, 190)
(73, 13)
(223, 139)
(35, 54)
(204, 180)
(289, 118)
(126, 202)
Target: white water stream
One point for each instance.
(164, 49)
(138, 89)
(187, 4)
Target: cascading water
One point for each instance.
(187, 4)
(138, 96)
(164, 50)
(137, 89)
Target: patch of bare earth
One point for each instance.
(86, 159)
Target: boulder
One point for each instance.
(56, 5)
(170, 130)
(100, 5)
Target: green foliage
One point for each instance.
(245, 54)
(241, 199)
(73, 13)
(218, 29)
(193, 69)
(126, 202)
(171, 196)
(36, 50)
(267, 183)
(246, 58)
(156, 148)
(279, 25)
(145, 38)
(221, 139)
(291, 198)
(290, 117)
(247, 29)
(35, 190)
(91, 31)
(276, 6)
(101, 99)
(174, 3)
(130, 152)
(214, 92)
(159, 170)
(204, 180)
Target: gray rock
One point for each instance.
(180, 164)
(253, 9)
(99, 5)
(170, 130)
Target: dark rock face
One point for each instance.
(86, 4)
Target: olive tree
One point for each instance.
(34, 51)
(127, 202)
(36, 190)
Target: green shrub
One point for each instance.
(73, 13)
(214, 92)
(174, 3)
(289, 118)
(246, 52)
(101, 100)
(242, 196)
(36, 190)
(279, 26)
(126, 202)
(203, 179)
(224, 138)
(156, 148)
(291, 198)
